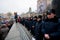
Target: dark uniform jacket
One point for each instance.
(52, 27)
(37, 30)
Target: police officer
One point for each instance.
(51, 26)
(38, 26)
(33, 25)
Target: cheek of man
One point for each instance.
(53, 15)
(49, 16)
(46, 36)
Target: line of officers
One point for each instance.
(48, 29)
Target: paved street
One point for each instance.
(18, 32)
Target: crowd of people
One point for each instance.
(47, 29)
(5, 26)
(41, 29)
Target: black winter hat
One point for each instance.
(35, 16)
(39, 16)
(51, 11)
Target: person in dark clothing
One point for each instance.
(23, 21)
(51, 26)
(29, 23)
(15, 13)
(33, 25)
(37, 30)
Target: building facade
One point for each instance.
(42, 5)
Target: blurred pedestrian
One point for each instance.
(33, 25)
(4, 30)
(38, 27)
(16, 16)
(19, 19)
(51, 26)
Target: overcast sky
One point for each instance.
(17, 5)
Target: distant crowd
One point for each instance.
(47, 29)
(5, 26)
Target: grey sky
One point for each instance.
(17, 5)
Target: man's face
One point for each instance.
(51, 15)
(38, 19)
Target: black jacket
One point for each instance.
(52, 27)
(37, 30)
